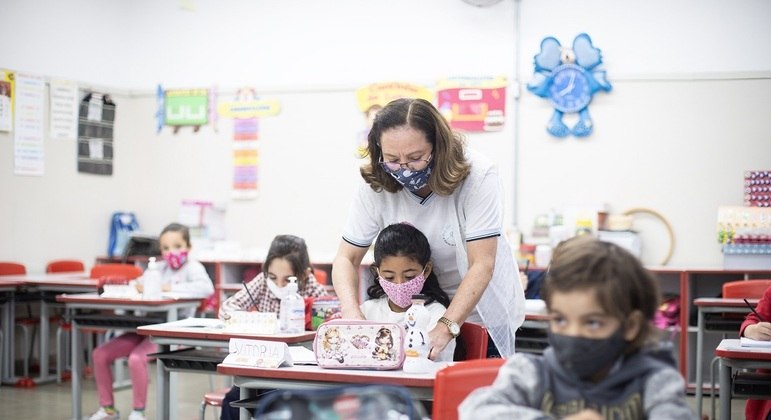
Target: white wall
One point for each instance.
(685, 95)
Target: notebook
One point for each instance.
(748, 342)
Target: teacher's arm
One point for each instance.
(345, 278)
(481, 262)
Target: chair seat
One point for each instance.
(215, 398)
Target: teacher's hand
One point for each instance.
(438, 337)
(353, 313)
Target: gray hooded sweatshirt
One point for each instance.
(644, 385)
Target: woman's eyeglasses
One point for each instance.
(413, 165)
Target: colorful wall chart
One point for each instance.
(185, 108)
(373, 97)
(245, 110)
(6, 101)
(473, 103)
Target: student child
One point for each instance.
(402, 267)
(758, 329)
(179, 274)
(603, 361)
(287, 257)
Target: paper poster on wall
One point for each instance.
(473, 103)
(96, 118)
(245, 110)
(179, 108)
(28, 151)
(373, 97)
(6, 101)
(63, 117)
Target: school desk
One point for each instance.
(733, 356)
(197, 332)
(705, 306)
(420, 385)
(41, 287)
(167, 307)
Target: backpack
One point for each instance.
(668, 314)
(121, 226)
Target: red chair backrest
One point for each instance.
(126, 271)
(472, 342)
(454, 382)
(321, 276)
(11, 268)
(745, 289)
(65, 266)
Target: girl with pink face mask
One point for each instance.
(402, 268)
(180, 276)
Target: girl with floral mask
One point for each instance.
(287, 257)
(402, 268)
(605, 360)
(182, 277)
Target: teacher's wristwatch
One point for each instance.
(452, 326)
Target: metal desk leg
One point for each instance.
(163, 387)
(44, 340)
(76, 371)
(725, 390)
(171, 397)
(699, 351)
(243, 413)
(8, 354)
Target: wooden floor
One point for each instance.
(52, 401)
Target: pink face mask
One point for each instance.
(176, 259)
(401, 294)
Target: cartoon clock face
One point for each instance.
(569, 91)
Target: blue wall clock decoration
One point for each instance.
(568, 78)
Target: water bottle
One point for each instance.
(151, 280)
(291, 316)
(416, 343)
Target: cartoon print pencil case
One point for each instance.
(358, 344)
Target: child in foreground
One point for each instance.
(603, 361)
(402, 268)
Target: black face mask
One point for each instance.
(586, 356)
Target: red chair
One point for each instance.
(65, 266)
(745, 289)
(472, 342)
(12, 268)
(125, 271)
(454, 382)
(214, 399)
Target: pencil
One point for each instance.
(760, 318)
(254, 302)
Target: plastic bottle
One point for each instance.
(291, 315)
(416, 343)
(151, 280)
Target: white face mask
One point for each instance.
(278, 292)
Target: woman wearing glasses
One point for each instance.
(420, 172)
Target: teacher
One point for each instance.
(420, 172)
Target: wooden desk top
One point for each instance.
(724, 302)
(348, 376)
(731, 349)
(189, 329)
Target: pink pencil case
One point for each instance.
(356, 344)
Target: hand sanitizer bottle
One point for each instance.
(151, 280)
(416, 343)
(292, 312)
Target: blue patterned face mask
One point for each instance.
(412, 180)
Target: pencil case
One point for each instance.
(357, 344)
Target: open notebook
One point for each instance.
(748, 342)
